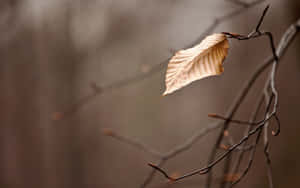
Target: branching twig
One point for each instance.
(241, 154)
(241, 122)
(266, 146)
(132, 142)
(254, 34)
(215, 162)
(282, 47)
(286, 39)
(252, 132)
(156, 68)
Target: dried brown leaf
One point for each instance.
(203, 60)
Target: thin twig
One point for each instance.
(247, 130)
(281, 49)
(240, 3)
(257, 29)
(241, 122)
(154, 69)
(250, 160)
(254, 34)
(138, 144)
(206, 169)
(266, 139)
(283, 45)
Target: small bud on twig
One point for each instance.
(108, 132)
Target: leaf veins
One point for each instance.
(200, 61)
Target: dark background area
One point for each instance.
(51, 51)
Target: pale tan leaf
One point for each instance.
(203, 60)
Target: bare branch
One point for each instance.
(266, 142)
(238, 2)
(135, 143)
(282, 47)
(216, 116)
(153, 70)
(250, 160)
(240, 99)
(257, 29)
(206, 169)
(241, 154)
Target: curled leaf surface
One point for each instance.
(200, 61)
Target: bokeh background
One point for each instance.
(52, 50)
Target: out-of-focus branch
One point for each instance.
(10, 24)
(244, 4)
(251, 157)
(238, 2)
(254, 34)
(206, 169)
(173, 152)
(235, 168)
(132, 142)
(167, 155)
(282, 47)
(284, 43)
(239, 122)
(260, 126)
(266, 143)
(154, 69)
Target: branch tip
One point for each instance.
(212, 115)
(56, 116)
(95, 87)
(108, 132)
(226, 133)
(161, 171)
(262, 18)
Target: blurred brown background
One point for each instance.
(51, 51)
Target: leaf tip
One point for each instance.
(165, 93)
